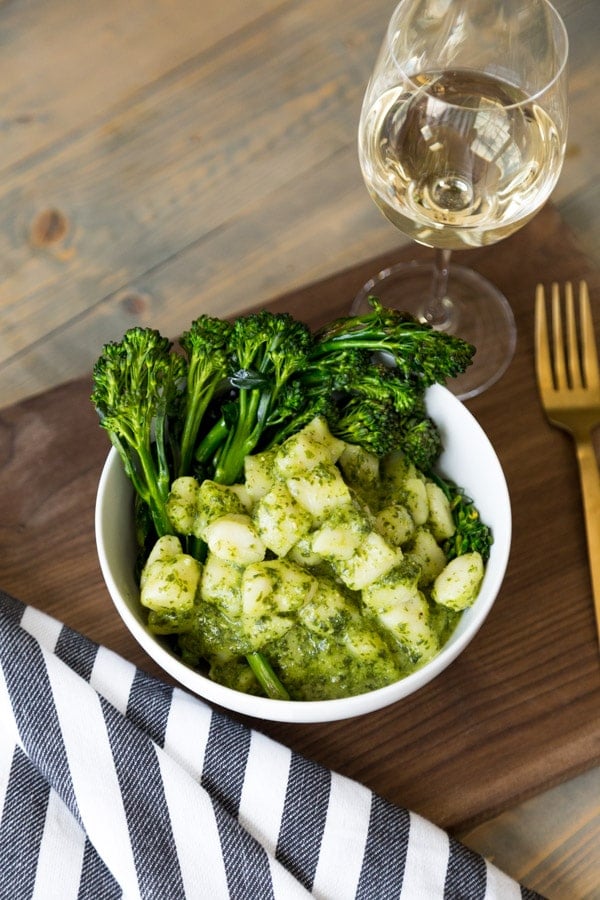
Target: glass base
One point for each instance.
(473, 309)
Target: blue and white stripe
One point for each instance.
(113, 784)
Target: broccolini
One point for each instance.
(206, 348)
(137, 383)
(266, 350)
(245, 386)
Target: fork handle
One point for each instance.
(590, 490)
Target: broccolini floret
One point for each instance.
(359, 373)
(374, 370)
(421, 353)
(299, 405)
(137, 388)
(420, 439)
(267, 349)
(373, 424)
(205, 345)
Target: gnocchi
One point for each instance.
(330, 561)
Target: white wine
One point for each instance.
(457, 159)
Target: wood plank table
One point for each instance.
(165, 158)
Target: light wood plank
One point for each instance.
(241, 134)
(550, 843)
(65, 66)
(129, 208)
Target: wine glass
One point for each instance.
(461, 140)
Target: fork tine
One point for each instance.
(572, 345)
(542, 346)
(588, 352)
(560, 371)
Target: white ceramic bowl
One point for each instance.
(468, 458)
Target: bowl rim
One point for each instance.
(315, 711)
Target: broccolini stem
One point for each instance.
(144, 485)
(196, 547)
(190, 431)
(164, 472)
(211, 441)
(241, 439)
(266, 677)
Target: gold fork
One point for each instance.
(569, 385)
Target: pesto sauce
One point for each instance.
(322, 639)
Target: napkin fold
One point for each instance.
(114, 784)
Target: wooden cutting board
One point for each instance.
(518, 712)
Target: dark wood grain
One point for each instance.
(517, 712)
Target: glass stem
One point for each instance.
(439, 308)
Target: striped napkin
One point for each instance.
(113, 784)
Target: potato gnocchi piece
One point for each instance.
(397, 585)
(414, 496)
(458, 583)
(403, 610)
(360, 467)
(170, 577)
(300, 454)
(429, 556)
(409, 623)
(341, 534)
(215, 501)
(320, 491)
(275, 585)
(221, 583)
(328, 610)
(243, 494)
(395, 524)
(318, 429)
(371, 560)
(310, 447)
(234, 537)
(441, 521)
(182, 504)
(259, 474)
(272, 591)
(281, 521)
(395, 469)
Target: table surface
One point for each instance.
(161, 160)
